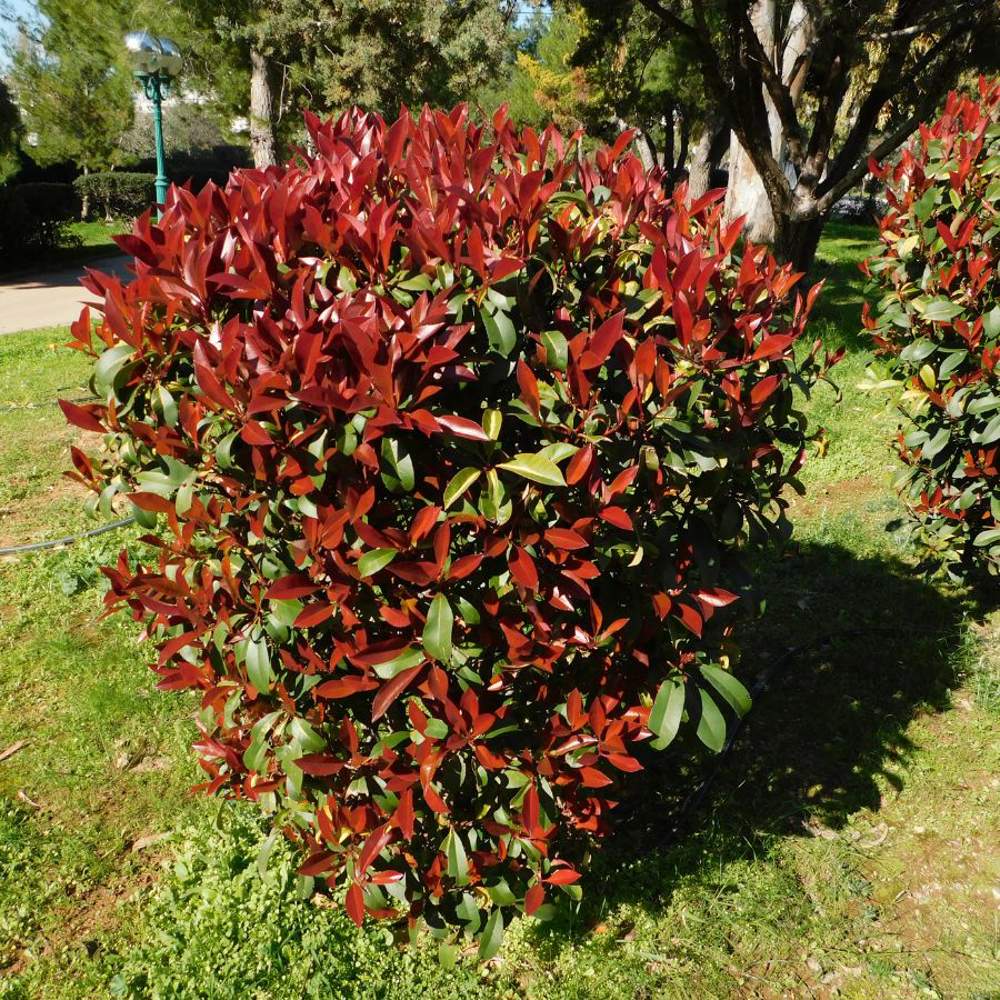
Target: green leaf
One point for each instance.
(492, 937)
(729, 687)
(409, 657)
(933, 447)
(991, 323)
(537, 468)
(436, 729)
(259, 665)
(556, 350)
(939, 310)
(460, 482)
(665, 715)
(559, 451)
(711, 725)
(458, 863)
(437, 631)
(109, 364)
(400, 462)
(918, 350)
(988, 537)
(167, 406)
(500, 331)
(492, 422)
(923, 208)
(991, 432)
(371, 562)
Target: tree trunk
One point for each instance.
(262, 142)
(684, 127)
(746, 194)
(797, 242)
(705, 156)
(85, 199)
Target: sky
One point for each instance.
(10, 12)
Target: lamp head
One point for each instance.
(151, 55)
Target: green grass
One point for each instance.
(847, 847)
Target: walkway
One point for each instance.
(50, 298)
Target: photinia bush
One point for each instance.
(455, 440)
(937, 325)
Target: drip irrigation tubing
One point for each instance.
(58, 543)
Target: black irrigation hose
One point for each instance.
(57, 543)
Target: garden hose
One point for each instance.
(58, 543)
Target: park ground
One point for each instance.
(849, 846)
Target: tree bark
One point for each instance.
(705, 156)
(263, 145)
(797, 240)
(747, 195)
(85, 200)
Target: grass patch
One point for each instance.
(847, 848)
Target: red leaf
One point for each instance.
(320, 765)
(318, 863)
(562, 876)
(764, 389)
(529, 386)
(565, 538)
(579, 464)
(80, 416)
(344, 687)
(523, 569)
(355, 904)
(463, 427)
(593, 778)
(534, 898)
(377, 839)
(291, 586)
(618, 517)
(207, 380)
(314, 614)
(392, 689)
(716, 596)
(688, 617)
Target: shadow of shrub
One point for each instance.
(853, 650)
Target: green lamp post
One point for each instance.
(155, 62)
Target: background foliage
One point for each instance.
(937, 323)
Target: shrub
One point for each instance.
(937, 325)
(458, 440)
(33, 219)
(120, 194)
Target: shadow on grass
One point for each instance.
(844, 245)
(875, 647)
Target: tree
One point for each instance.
(10, 134)
(266, 59)
(72, 84)
(649, 84)
(812, 88)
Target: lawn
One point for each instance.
(848, 846)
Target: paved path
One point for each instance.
(49, 298)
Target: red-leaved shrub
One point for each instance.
(455, 440)
(936, 326)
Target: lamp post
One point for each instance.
(155, 62)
